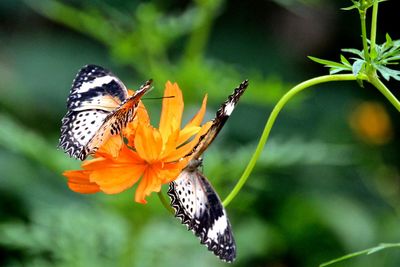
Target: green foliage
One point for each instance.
(382, 56)
(52, 238)
(317, 190)
(362, 5)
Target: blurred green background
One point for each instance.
(326, 184)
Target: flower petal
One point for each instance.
(148, 142)
(116, 175)
(194, 124)
(185, 149)
(172, 109)
(78, 181)
(111, 147)
(169, 145)
(141, 116)
(171, 170)
(149, 183)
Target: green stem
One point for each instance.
(385, 91)
(364, 35)
(271, 120)
(374, 25)
(199, 36)
(362, 252)
(165, 202)
(348, 256)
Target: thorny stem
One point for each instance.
(271, 120)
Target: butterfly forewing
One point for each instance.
(97, 88)
(196, 203)
(98, 106)
(78, 128)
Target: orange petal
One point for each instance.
(193, 126)
(148, 142)
(170, 144)
(141, 116)
(172, 108)
(149, 183)
(117, 178)
(116, 175)
(78, 181)
(111, 147)
(171, 170)
(188, 147)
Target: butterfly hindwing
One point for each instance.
(98, 107)
(194, 200)
(198, 206)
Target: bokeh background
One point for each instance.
(326, 184)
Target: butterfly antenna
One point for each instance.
(160, 97)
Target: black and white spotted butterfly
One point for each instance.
(98, 107)
(195, 201)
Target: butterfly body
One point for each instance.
(98, 107)
(195, 201)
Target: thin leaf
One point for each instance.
(344, 60)
(327, 63)
(354, 51)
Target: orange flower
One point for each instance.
(157, 156)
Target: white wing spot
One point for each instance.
(229, 108)
(218, 227)
(86, 86)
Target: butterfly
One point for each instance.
(195, 201)
(98, 106)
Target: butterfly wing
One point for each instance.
(116, 121)
(96, 88)
(198, 206)
(196, 203)
(98, 105)
(221, 117)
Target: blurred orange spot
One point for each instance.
(371, 123)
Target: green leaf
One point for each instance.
(388, 73)
(334, 66)
(357, 66)
(356, 5)
(388, 39)
(344, 60)
(354, 51)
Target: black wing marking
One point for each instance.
(198, 206)
(194, 200)
(96, 87)
(98, 107)
(221, 117)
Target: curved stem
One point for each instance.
(375, 81)
(268, 126)
(165, 202)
